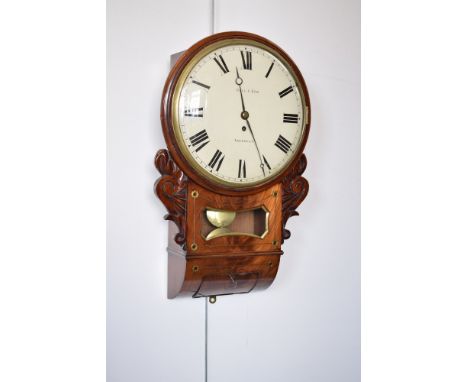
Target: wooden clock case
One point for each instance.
(227, 264)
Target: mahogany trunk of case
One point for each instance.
(226, 264)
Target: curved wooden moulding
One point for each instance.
(295, 189)
(221, 274)
(171, 189)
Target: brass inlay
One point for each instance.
(221, 219)
(194, 246)
(175, 107)
(195, 268)
(194, 194)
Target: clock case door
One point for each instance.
(225, 264)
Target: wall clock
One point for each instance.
(235, 114)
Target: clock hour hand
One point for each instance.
(238, 78)
(239, 82)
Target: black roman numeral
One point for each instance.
(194, 112)
(246, 60)
(201, 84)
(290, 118)
(283, 144)
(199, 140)
(286, 91)
(218, 158)
(222, 65)
(269, 70)
(266, 162)
(242, 173)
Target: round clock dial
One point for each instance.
(239, 113)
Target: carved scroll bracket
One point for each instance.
(295, 189)
(171, 188)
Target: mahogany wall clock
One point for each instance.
(235, 115)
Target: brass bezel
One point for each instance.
(175, 115)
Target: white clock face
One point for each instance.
(240, 115)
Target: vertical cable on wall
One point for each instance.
(206, 298)
(206, 339)
(212, 16)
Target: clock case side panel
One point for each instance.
(168, 123)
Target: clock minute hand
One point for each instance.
(245, 116)
(262, 166)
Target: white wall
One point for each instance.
(148, 337)
(306, 326)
